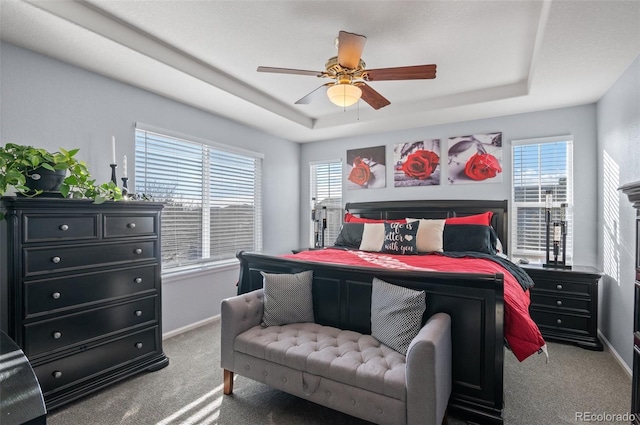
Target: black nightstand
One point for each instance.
(564, 304)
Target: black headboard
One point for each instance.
(436, 209)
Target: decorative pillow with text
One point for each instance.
(400, 238)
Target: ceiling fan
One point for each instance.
(350, 76)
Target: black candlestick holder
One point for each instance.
(125, 189)
(113, 173)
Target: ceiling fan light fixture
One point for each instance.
(344, 95)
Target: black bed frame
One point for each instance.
(475, 302)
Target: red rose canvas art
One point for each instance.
(475, 158)
(417, 163)
(366, 168)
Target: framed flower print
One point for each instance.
(417, 163)
(475, 158)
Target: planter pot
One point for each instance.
(45, 180)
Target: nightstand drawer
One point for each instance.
(53, 259)
(47, 227)
(567, 322)
(86, 364)
(117, 225)
(51, 295)
(50, 335)
(562, 286)
(561, 302)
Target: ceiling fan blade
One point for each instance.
(372, 97)
(350, 48)
(317, 93)
(418, 72)
(289, 71)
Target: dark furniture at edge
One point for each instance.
(81, 291)
(475, 302)
(564, 304)
(632, 190)
(21, 401)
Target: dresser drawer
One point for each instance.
(50, 335)
(567, 322)
(51, 259)
(50, 295)
(60, 227)
(562, 287)
(562, 302)
(119, 225)
(87, 364)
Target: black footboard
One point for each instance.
(475, 302)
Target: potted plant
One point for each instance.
(33, 171)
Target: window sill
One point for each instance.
(198, 270)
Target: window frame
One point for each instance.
(540, 255)
(335, 213)
(205, 265)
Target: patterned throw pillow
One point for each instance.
(287, 298)
(400, 238)
(396, 314)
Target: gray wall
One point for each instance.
(50, 104)
(618, 152)
(579, 121)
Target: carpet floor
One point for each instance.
(189, 391)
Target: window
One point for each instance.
(212, 198)
(326, 197)
(540, 165)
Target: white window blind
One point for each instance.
(540, 165)
(212, 198)
(326, 191)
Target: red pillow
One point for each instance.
(350, 218)
(483, 219)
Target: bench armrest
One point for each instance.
(428, 372)
(238, 314)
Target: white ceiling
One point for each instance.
(494, 57)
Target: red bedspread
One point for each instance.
(520, 330)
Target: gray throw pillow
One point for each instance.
(396, 314)
(287, 298)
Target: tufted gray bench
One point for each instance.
(340, 369)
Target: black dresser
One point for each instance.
(81, 291)
(564, 304)
(632, 190)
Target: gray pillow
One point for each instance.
(287, 298)
(396, 314)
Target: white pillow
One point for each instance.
(429, 234)
(372, 237)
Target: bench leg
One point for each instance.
(228, 382)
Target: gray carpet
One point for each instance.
(189, 391)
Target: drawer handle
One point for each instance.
(57, 335)
(559, 303)
(137, 251)
(559, 321)
(57, 374)
(138, 313)
(138, 345)
(559, 287)
(55, 260)
(55, 295)
(64, 227)
(131, 225)
(138, 280)
(636, 349)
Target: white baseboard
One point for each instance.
(190, 327)
(613, 351)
